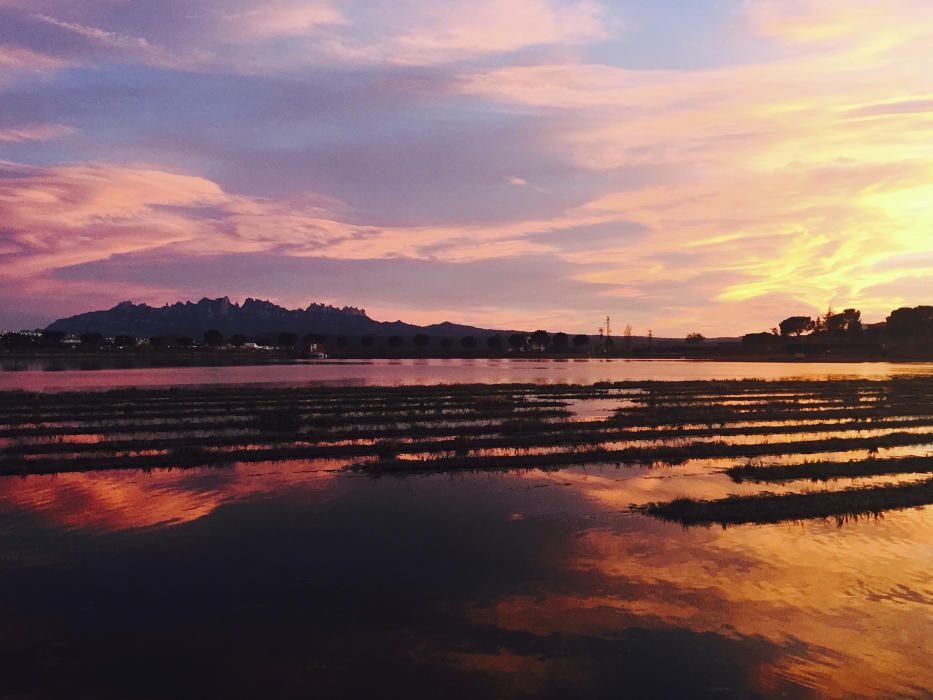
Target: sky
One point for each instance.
(681, 165)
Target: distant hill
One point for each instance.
(253, 318)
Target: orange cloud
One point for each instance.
(804, 177)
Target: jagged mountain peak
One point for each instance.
(254, 318)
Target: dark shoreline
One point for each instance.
(76, 360)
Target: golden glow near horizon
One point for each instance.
(780, 164)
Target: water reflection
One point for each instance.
(110, 501)
(417, 372)
(290, 580)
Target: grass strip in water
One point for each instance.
(821, 471)
(769, 508)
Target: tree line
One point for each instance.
(538, 341)
(905, 323)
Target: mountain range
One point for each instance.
(254, 318)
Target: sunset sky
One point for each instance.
(711, 165)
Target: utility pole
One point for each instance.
(608, 333)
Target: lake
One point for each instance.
(403, 372)
(288, 580)
(299, 579)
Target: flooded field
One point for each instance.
(531, 539)
(44, 377)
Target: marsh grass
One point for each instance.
(452, 428)
(768, 508)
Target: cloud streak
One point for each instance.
(785, 169)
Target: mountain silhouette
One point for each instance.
(255, 317)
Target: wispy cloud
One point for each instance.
(35, 132)
(788, 169)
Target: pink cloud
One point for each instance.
(450, 31)
(246, 35)
(36, 132)
(281, 18)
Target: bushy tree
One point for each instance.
(796, 325)
(910, 322)
(581, 341)
(287, 339)
(421, 340)
(494, 342)
(213, 338)
(756, 340)
(695, 338)
(560, 341)
(395, 341)
(51, 339)
(468, 341)
(17, 341)
(518, 340)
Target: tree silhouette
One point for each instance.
(468, 341)
(213, 338)
(560, 341)
(759, 339)
(796, 325)
(287, 339)
(581, 341)
(17, 340)
(421, 340)
(51, 339)
(695, 338)
(395, 341)
(853, 322)
(238, 340)
(518, 340)
(541, 339)
(910, 322)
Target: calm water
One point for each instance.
(290, 580)
(293, 579)
(400, 372)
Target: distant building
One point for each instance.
(312, 347)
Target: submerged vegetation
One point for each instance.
(758, 432)
(775, 508)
